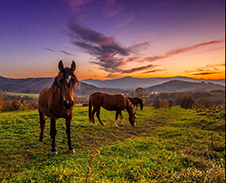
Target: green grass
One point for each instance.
(22, 94)
(167, 145)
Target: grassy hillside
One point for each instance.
(167, 145)
(184, 86)
(22, 94)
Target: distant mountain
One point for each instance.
(131, 83)
(36, 85)
(183, 86)
(28, 85)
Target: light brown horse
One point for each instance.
(57, 102)
(110, 102)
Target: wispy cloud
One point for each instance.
(182, 50)
(49, 49)
(112, 9)
(126, 20)
(67, 53)
(112, 57)
(204, 73)
(62, 51)
(208, 69)
(154, 70)
(138, 68)
(107, 52)
(77, 3)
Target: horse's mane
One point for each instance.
(56, 80)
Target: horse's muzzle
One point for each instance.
(68, 104)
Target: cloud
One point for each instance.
(112, 9)
(206, 70)
(107, 52)
(62, 51)
(49, 49)
(77, 3)
(138, 68)
(182, 50)
(112, 57)
(154, 70)
(112, 76)
(67, 53)
(125, 21)
(204, 73)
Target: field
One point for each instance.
(167, 145)
(22, 94)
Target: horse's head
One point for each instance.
(65, 81)
(132, 118)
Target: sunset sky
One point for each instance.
(113, 38)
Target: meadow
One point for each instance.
(167, 145)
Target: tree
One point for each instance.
(1, 104)
(141, 93)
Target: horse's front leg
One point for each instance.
(68, 131)
(53, 133)
(42, 125)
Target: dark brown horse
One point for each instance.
(110, 102)
(57, 102)
(135, 101)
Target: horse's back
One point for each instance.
(108, 101)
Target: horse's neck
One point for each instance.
(55, 93)
(129, 109)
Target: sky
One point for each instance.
(111, 39)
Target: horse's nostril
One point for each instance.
(67, 104)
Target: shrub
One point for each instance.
(162, 103)
(1, 104)
(185, 101)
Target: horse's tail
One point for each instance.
(90, 111)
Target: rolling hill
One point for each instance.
(184, 86)
(132, 83)
(36, 85)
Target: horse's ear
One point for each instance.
(73, 66)
(61, 66)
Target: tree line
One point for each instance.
(16, 103)
(200, 100)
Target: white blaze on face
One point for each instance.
(68, 79)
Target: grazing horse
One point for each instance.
(135, 101)
(110, 102)
(57, 102)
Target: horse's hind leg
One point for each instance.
(121, 117)
(98, 115)
(116, 117)
(42, 125)
(92, 115)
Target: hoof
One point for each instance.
(53, 153)
(72, 151)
